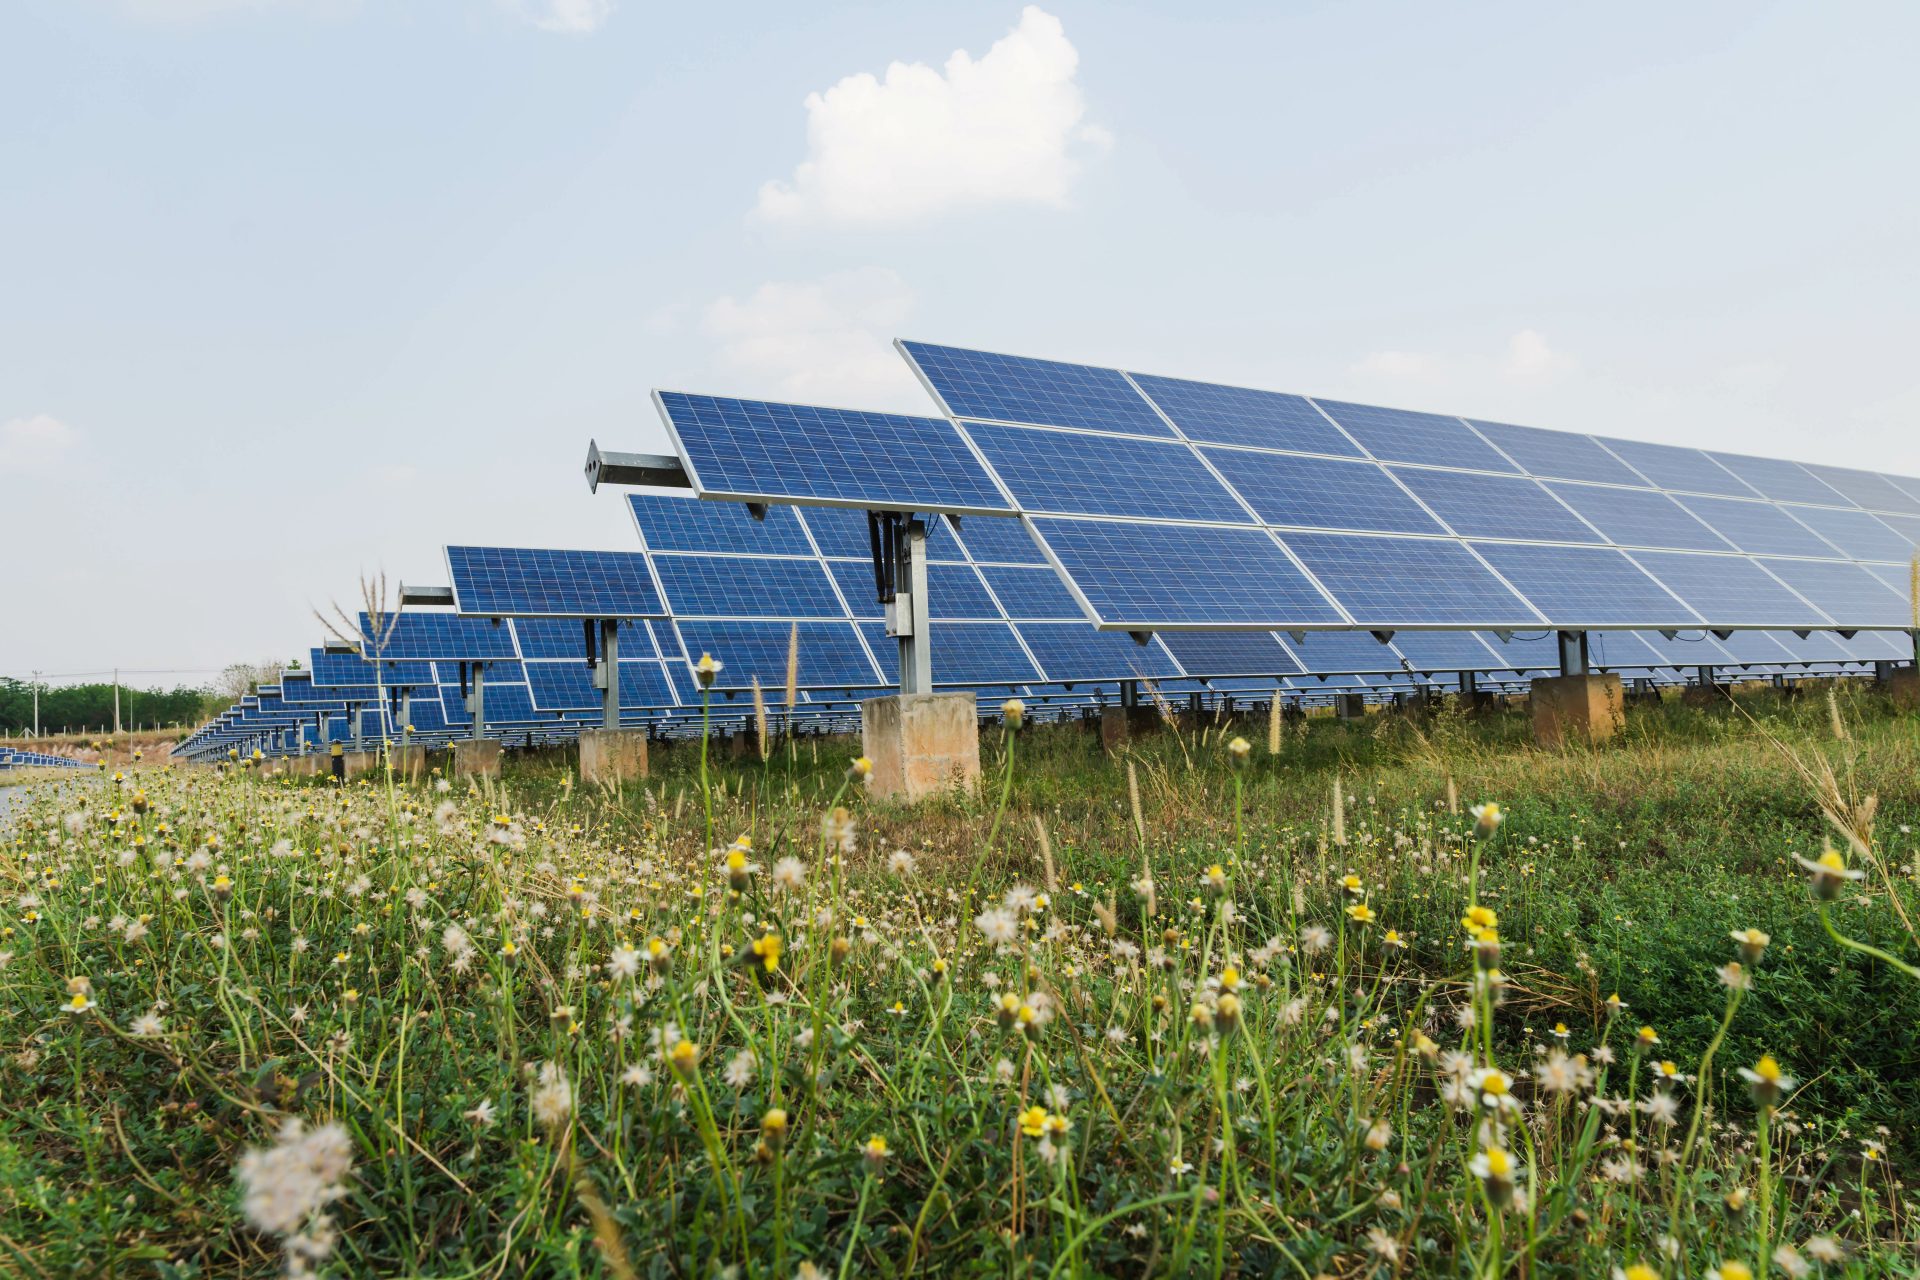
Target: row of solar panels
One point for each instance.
(1170, 504)
(13, 758)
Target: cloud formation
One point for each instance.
(1007, 128)
(567, 17)
(34, 444)
(826, 340)
(1527, 359)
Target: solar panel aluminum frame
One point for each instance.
(459, 608)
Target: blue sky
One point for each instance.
(294, 289)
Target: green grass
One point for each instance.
(1616, 870)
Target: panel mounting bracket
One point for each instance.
(655, 470)
(1384, 637)
(1141, 638)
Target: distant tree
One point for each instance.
(239, 679)
(76, 707)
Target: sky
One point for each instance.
(293, 291)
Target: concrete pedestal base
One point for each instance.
(1113, 729)
(921, 744)
(476, 759)
(358, 762)
(1705, 695)
(1350, 706)
(1577, 709)
(409, 762)
(613, 755)
(1904, 689)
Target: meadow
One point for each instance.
(1401, 996)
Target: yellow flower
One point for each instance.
(1014, 712)
(1033, 1121)
(1351, 883)
(773, 1125)
(705, 670)
(1361, 913)
(768, 949)
(876, 1151)
(1229, 979)
(1645, 1038)
(1766, 1080)
(1753, 942)
(1638, 1271)
(1479, 918)
(1730, 1270)
(860, 770)
(1487, 818)
(684, 1056)
(1238, 749)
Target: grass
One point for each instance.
(1136, 1021)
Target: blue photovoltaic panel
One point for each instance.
(1640, 518)
(1754, 648)
(1230, 653)
(1908, 485)
(1815, 646)
(1556, 455)
(566, 638)
(1870, 489)
(1401, 435)
(1217, 414)
(684, 523)
(1524, 651)
(1321, 493)
(1073, 474)
(1479, 506)
(1760, 528)
(505, 704)
(1189, 576)
(568, 686)
(1858, 535)
(1614, 650)
(1685, 648)
(332, 671)
(831, 655)
(1673, 467)
(535, 582)
(1585, 586)
(753, 449)
(843, 533)
(1403, 581)
(995, 541)
(1074, 652)
(746, 587)
(953, 591)
(1730, 590)
(980, 384)
(436, 636)
(963, 653)
(1907, 527)
(1781, 480)
(1847, 593)
(1879, 646)
(1342, 652)
(1899, 578)
(1032, 593)
(1444, 650)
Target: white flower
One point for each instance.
(739, 1072)
(900, 862)
(789, 873)
(997, 925)
(482, 1113)
(553, 1099)
(303, 1172)
(147, 1024)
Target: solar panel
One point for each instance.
(1444, 650)
(529, 582)
(337, 672)
(1556, 455)
(1236, 653)
(1754, 648)
(746, 587)
(1321, 493)
(1675, 467)
(1167, 576)
(953, 591)
(436, 636)
(1757, 527)
(1899, 578)
(1731, 590)
(568, 686)
(1075, 652)
(963, 653)
(761, 451)
(1342, 652)
(1076, 474)
(1523, 651)
(679, 523)
(1858, 535)
(1846, 591)
(1383, 582)
(1617, 650)
(981, 384)
(1401, 435)
(996, 541)
(831, 654)
(1871, 490)
(1639, 517)
(565, 638)
(1482, 506)
(1235, 415)
(1584, 587)
(1781, 480)
(1031, 592)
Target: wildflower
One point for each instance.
(1645, 1038)
(1352, 884)
(481, 1113)
(1495, 1088)
(1486, 949)
(1487, 818)
(1314, 938)
(706, 669)
(838, 831)
(1825, 1250)
(1767, 1081)
(1478, 918)
(740, 1068)
(284, 1186)
(1638, 1271)
(1214, 878)
(1178, 1167)
(684, 1057)
(1495, 1169)
(900, 863)
(861, 770)
(659, 954)
(739, 870)
(1383, 1245)
(1730, 1270)
(1660, 1108)
(773, 1126)
(147, 1024)
(1788, 1259)
(1014, 712)
(1361, 913)
(1615, 1004)
(625, 962)
(1829, 873)
(553, 1101)
(790, 874)
(875, 1151)
(997, 925)
(1033, 1121)
(766, 949)
(1227, 1013)
(1734, 976)
(80, 1002)
(1753, 944)
(222, 887)
(1392, 938)
(1379, 1134)
(1238, 749)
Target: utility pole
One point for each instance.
(116, 702)
(36, 704)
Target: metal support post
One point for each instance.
(1469, 684)
(1883, 672)
(477, 700)
(1573, 653)
(606, 673)
(1705, 676)
(910, 616)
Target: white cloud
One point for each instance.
(36, 443)
(1528, 359)
(824, 340)
(568, 17)
(1005, 129)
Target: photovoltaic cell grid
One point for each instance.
(506, 582)
(1114, 452)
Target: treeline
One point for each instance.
(75, 708)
